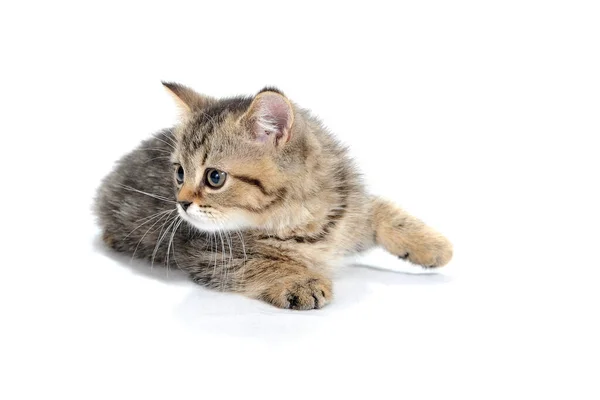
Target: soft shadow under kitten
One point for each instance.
(253, 195)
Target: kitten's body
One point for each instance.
(291, 207)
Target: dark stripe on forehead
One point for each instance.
(226, 106)
(207, 121)
(198, 137)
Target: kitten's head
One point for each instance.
(235, 158)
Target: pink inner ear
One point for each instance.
(273, 117)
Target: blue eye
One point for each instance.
(215, 178)
(179, 175)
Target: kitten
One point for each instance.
(252, 195)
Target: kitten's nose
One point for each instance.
(185, 204)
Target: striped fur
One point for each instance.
(288, 212)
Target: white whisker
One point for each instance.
(222, 257)
(243, 268)
(157, 158)
(230, 261)
(149, 219)
(161, 237)
(160, 150)
(171, 242)
(146, 193)
(157, 221)
(168, 144)
(169, 138)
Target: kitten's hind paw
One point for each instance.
(432, 251)
(299, 293)
(409, 238)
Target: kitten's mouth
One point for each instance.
(208, 219)
(200, 219)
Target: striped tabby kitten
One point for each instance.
(252, 195)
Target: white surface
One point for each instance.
(481, 119)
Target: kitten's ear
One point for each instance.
(187, 99)
(270, 117)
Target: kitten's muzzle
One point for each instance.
(185, 204)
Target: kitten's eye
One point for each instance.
(179, 175)
(215, 178)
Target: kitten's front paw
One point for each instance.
(300, 293)
(433, 252)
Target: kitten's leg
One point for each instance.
(280, 280)
(286, 284)
(408, 237)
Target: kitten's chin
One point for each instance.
(206, 224)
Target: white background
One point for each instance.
(481, 118)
